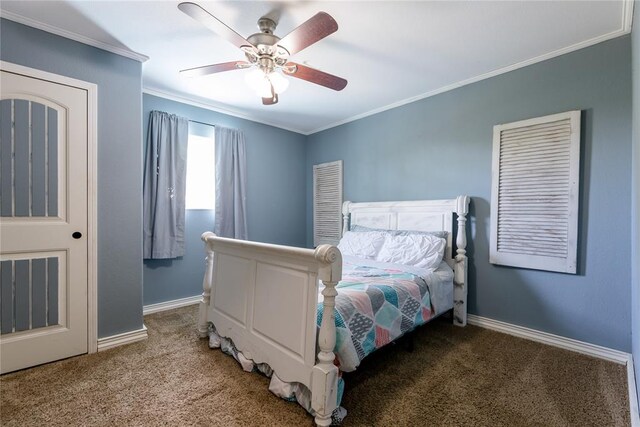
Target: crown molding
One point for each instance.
(625, 28)
(72, 36)
(627, 13)
(184, 99)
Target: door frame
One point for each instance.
(92, 187)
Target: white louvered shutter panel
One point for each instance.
(534, 199)
(327, 203)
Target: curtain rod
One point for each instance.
(202, 123)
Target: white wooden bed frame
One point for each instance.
(264, 297)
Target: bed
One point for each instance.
(265, 297)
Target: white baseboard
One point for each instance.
(633, 393)
(169, 305)
(600, 352)
(593, 350)
(121, 339)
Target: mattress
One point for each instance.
(378, 302)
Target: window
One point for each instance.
(534, 202)
(201, 178)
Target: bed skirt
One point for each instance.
(290, 391)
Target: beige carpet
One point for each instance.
(454, 377)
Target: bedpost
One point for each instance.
(324, 381)
(460, 270)
(203, 324)
(345, 217)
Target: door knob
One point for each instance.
(76, 235)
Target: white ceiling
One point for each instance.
(391, 52)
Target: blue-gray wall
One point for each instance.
(275, 199)
(635, 213)
(119, 161)
(441, 146)
(386, 158)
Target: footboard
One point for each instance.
(264, 297)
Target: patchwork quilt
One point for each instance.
(375, 305)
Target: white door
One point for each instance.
(43, 221)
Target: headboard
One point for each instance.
(419, 215)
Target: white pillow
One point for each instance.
(361, 245)
(419, 250)
(362, 228)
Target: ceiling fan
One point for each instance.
(269, 54)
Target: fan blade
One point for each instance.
(311, 31)
(213, 23)
(273, 99)
(316, 76)
(215, 68)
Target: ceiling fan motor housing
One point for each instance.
(268, 53)
(266, 44)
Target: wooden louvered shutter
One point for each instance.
(327, 203)
(534, 200)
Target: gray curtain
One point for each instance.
(231, 184)
(165, 167)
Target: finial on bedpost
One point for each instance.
(324, 382)
(332, 257)
(203, 324)
(345, 217)
(460, 270)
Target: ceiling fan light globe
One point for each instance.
(264, 90)
(280, 84)
(254, 78)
